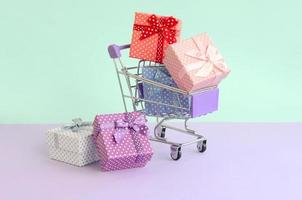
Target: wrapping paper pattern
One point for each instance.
(72, 147)
(146, 49)
(153, 93)
(179, 59)
(124, 154)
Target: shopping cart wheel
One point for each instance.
(202, 146)
(175, 152)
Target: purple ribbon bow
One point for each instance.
(129, 124)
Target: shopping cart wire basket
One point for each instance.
(151, 90)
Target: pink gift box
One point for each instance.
(151, 36)
(122, 140)
(195, 63)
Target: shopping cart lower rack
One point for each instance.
(151, 90)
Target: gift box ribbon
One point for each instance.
(129, 125)
(208, 58)
(76, 124)
(163, 26)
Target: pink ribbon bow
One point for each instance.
(124, 126)
(208, 58)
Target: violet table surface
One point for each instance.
(243, 162)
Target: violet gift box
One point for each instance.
(192, 105)
(122, 147)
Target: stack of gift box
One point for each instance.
(120, 140)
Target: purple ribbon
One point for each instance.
(129, 124)
(134, 127)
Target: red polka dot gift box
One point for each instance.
(152, 34)
(195, 63)
(122, 140)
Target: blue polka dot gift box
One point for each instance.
(162, 96)
(122, 140)
(161, 102)
(72, 144)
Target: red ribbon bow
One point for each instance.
(161, 26)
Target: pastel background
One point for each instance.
(54, 64)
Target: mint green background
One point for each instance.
(54, 64)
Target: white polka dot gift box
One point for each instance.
(72, 144)
(151, 36)
(122, 140)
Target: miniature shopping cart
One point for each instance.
(150, 90)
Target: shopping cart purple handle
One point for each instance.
(115, 50)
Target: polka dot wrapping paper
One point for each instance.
(122, 147)
(161, 95)
(72, 147)
(152, 34)
(195, 63)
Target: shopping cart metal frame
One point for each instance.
(133, 77)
